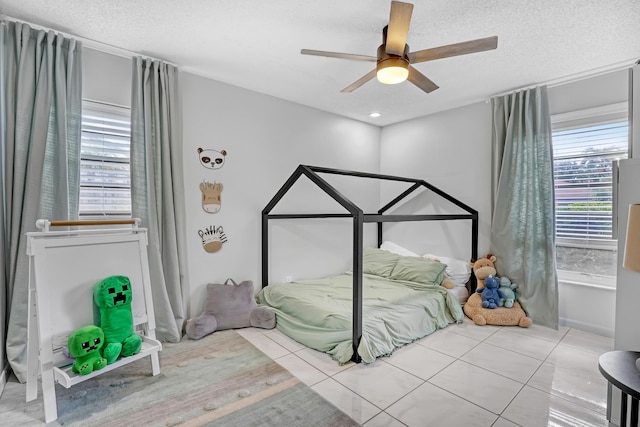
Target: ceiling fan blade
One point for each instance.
(398, 28)
(362, 80)
(339, 55)
(463, 48)
(420, 80)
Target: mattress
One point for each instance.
(318, 313)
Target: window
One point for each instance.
(585, 146)
(105, 181)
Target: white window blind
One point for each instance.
(105, 181)
(583, 152)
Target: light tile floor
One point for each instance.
(463, 375)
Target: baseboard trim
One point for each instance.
(587, 327)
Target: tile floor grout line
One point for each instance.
(556, 344)
(360, 396)
(463, 398)
(551, 392)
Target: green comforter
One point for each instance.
(317, 313)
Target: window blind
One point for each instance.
(105, 181)
(583, 174)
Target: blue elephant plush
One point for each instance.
(508, 291)
(490, 293)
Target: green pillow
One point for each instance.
(378, 262)
(418, 270)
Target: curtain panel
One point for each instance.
(157, 189)
(523, 221)
(40, 117)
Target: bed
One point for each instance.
(402, 301)
(382, 303)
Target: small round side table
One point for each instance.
(619, 368)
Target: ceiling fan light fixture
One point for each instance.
(391, 71)
(394, 56)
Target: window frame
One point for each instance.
(584, 118)
(119, 110)
(592, 117)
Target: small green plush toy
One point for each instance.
(84, 344)
(113, 297)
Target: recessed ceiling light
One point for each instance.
(374, 115)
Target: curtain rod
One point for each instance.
(574, 78)
(90, 43)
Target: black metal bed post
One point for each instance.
(265, 249)
(358, 230)
(474, 249)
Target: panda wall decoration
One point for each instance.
(212, 159)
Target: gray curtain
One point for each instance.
(157, 187)
(40, 116)
(523, 223)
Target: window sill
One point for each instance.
(589, 280)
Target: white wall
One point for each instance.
(606, 89)
(106, 77)
(451, 150)
(266, 139)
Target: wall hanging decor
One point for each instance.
(211, 196)
(212, 238)
(212, 159)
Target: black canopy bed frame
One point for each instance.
(359, 218)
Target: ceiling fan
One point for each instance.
(394, 59)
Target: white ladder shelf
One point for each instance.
(63, 267)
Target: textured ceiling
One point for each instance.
(256, 44)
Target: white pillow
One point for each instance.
(397, 249)
(458, 270)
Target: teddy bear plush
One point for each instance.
(507, 289)
(447, 283)
(113, 297)
(85, 344)
(490, 294)
(230, 306)
(515, 316)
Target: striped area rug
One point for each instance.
(220, 380)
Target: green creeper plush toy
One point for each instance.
(113, 297)
(84, 344)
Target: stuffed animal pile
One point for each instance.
(95, 346)
(495, 301)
